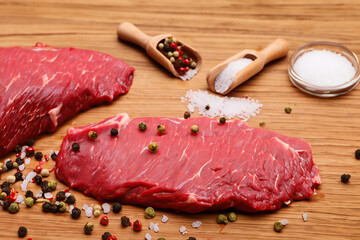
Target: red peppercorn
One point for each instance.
(30, 149)
(173, 45)
(179, 58)
(186, 61)
(38, 169)
(181, 69)
(17, 155)
(13, 196)
(104, 221)
(186, 69)
(137, 225)
(111, 238)
(38, 44)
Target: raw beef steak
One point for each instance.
(221, 166)
(42, 87)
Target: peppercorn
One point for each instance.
(194, 128)
(187, 115)
(105, 236)
(97, 207)
(18, 176)
(14, 207)
(62, 207)
(45, 187)
(97, 213)
(104, 221)
(278, 226)
(176, 54)
(232, 217)
(38, 156)
(357, 154)
(153, 147)
(6, 190)
(71, 200)
(150, 212)
(161, 46)
(15, 165)
(125, 221)
(29, 193)
(75, 213)
(52, 185)
(142, 126)
(191, 238)
(193, 65)
(114, 132)
(3, 167)
(117, 207)
(29, 151)
(261, 124)
(30, 142)
(45, 172)
(88, 228)
(161, 129)
(345, 178)
(288, 110)
(207, 107)
(38, 169)
(53, 156)
(75, 147)
(60, 196)
(137, 225)
(29, 201)
(19, 161)
(3, 195)
(166, 47)
(22, 232)
(10, 179)
(172, 59)
(46, 207)
(222, 219)
(222, 120)
(9, 165)
(92, 135)
(6, 205)
(161, 238)
(17, 149)
(169, 54)
(5, 184)
(38, 179)
(54, 208)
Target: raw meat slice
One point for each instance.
(42, 87)
(221, 166)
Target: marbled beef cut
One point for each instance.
(221, 166)
(42, 87)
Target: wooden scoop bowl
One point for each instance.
(129, 33)
(274, 50)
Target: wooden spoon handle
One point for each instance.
(277, 49)
(129, 33)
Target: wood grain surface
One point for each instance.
(218, 30)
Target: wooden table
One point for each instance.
(218, 30)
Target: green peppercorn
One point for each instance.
(179, 47)
(161, 238)
(161, 46)
(150, 212)
(168, 40)
(29, 202)
(176, 54)
(71, 199)
(52, 185)
(161, 129)
(174, 40)
(62, 207)
(22, 232)
(75, 213)
(187, 114)
(169, 54)
(15, 165)
(193, 65)
(117, 207)
(232, 217)
(288, 110)
(125, 221)
(14, 207)
(153, 147)
(3, 195)
(142, 126)
(97, 213)
(75, 147)
(222, 120)
(194, 128)
(88, 228)
(92, 135)
(17, 149)
(3, 168)
(45, 172)
(278, 226)
(172, 59)
(222, 219)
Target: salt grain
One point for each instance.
(196, 224)
(164, 219)
(305, 216)
(324, 68)
(23, 155)
(19, 199)
(183, 230)
(154, 227)
(147, 236)
(67, 194)
(39, 195)
(106, 207)
(284, 222)
(24, 148)
(27, 161)
(71, 208)
(48, 195)
(57, 203)
(21, 167)
(7, 160)
(27, 180)
(188, 75)
(1, 202)
(226, 107)
(226, 76)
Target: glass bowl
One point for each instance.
(324, 91)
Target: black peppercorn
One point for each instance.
(29, 193)
(222, 120)
(45, 186)
(117, 207)
(75, 147)
(53, 156)
(75, 213)
(54, 208)
(38, 156)
(207, 107)
(166, 47)
(9, 165)
(60, 196)
(5, 184)
(38, 179)
(30, 142)
(187, 115)
(19, 161)
(18, 176)
(6, 205)
(71, 200)
(6, 190)
(17, 149)
(46, 207)
(22, 232)
(29, 153)
(191, 238)
(345, 178)
(114, 132)
(105, 236)
(357, 154)
(125, 221)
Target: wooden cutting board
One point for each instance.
(218, 30)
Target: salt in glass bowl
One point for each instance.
(324, 91)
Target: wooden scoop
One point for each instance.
(275, 50)
(128, 32)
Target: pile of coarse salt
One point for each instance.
(324, 68)
(188, 75)
(226, 77)
(226, 107)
